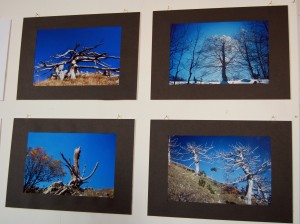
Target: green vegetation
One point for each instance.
(202, 182)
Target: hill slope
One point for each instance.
(184, 185)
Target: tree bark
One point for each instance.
(224, 77)
(76, 162)
(249, 191)
(196, 161)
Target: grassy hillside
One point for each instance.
(89, 192)
(184, 185)
(82, 80)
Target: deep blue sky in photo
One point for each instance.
(50, 42)
(95, 147)
(208, 29)
(222, 144)
(214, 28)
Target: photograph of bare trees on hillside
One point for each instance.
(219, 53)
(220, 169)
(77, 56)
(75, 164)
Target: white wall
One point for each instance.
(142, 109)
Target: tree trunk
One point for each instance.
(76, 161)
(249, 191)
(197, 170)
(249, 61)
(224, 77)
(177, 67)
(196, 161)
(260, 58)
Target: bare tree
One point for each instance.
(245, 49)
(260, 35)
(194, 153)
(178, 47)
(75, 59)
(77, 179)
(253, 47)
(244, 158)
(173, 146)
(220, 54)
(193, 61)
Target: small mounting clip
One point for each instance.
(270, 3)
(169, 7)
(166, 117)
(273, 118)
(119, 116)
(125, 10)
(37, 14)
(28, 116)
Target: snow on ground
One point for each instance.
(242, 81)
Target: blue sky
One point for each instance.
(95, 147)
(214, 28)
(222, 144)
(50, 42)
(208, 29)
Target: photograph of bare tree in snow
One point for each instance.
(219, 53)
(220, 169)
(77, 56)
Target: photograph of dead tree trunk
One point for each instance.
(77, 56)
(76, 164)
(219, 53)
(220, 169)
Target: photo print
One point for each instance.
(76, 164)
(220, 169)
(77, 56)
(219, 53)
(80, 165)
(91, 56)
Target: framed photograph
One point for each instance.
(228, 170)
(225, 53)
(79, 57)
(71, 164)
(4, 41)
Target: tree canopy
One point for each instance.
(40, 167)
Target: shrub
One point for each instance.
(210, 189)
(202, 173)
(202, 182)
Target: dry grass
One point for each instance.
(89, 192)
(81, 80)
(183, 185)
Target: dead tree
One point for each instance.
(193, 152)
(76, 59)
(76, 178)
(245, 158)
